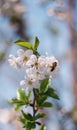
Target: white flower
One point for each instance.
(36, 67)
(13, 61)
(20, 52)
(29, 83)
(51, 65)
(35, 73)
(37, 63)
(32, 62)
(24, 56)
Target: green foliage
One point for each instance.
(41, 100)
(47, 104)
(44, 93)
(52, 93)
(29, 121)
(29, 125)
(44, 85)
(36, 44)
(21, 94)
(27, 116)
(36, 92)
(43, 127)
(24, 44)
(39, 115)
(21, 99)
(29, 45)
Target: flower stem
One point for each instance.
(34, 103)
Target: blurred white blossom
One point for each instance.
(9, 115)
(13, 61)
(6, 115)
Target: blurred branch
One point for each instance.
(73, 41)
(13, 10)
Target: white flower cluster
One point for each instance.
(36, 68)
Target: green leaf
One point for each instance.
(47, 104)
(27, 116)
(44, 85)
(24, 44)
(36, 53)
(16, 101)
(21, 94)
(52, 93)
(38, 123)
(17, 107)
(13, 101)
(31, 125)
(28, 95)
(27, 124)
(23, 120)
(39, 115)
(43, 127)
(36, 91)
(21, 99)
(36, 44)
(41, 99)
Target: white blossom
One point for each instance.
(24, 56)
(13, 61)
(51, 65)
(29, 83)
(37, 63)
(32, 62)
(36, 68)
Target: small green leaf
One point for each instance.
(44, 85)
(18, 103)
(36, 91)
(31, 125)
(36, 44)
(17, 107)
(52, 93)
(21, 94)
(21, 99)
(24, 44)
(27, 124)
(39, 115)
(28, 95)
(38, 123)
(41, 99)
(43, 127)
(47, 104)
(27, 116)
(23, 120)
(13, 101)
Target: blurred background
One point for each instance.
(55, 24)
